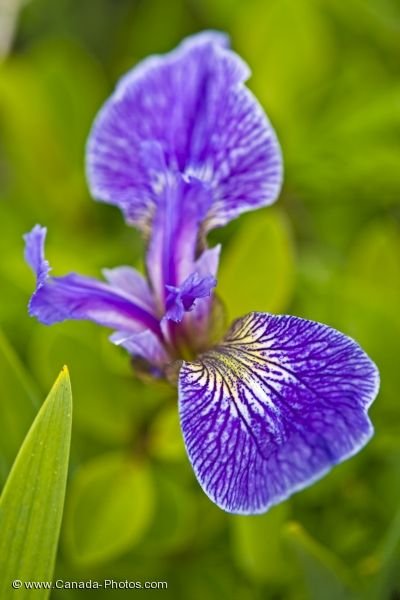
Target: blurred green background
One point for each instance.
(327, 72)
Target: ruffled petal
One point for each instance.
(34, 253)
(193, 106)
(182, 299)
(273, 408)
(74, 297)
(206, 266)
(204, 323)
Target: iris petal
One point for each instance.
(273, 408)
(131, 282)
(182, 299)
(193, 106)
(172, 250)
(199, 320)
(144, 344)
(75, 297)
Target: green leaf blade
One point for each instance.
(31, 505)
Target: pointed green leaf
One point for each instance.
(257, 269)
(31, 505)
(110, 507)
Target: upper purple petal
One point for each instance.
(273, 408)
(74, 297)
(193, 106)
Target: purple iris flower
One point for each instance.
(181, 147)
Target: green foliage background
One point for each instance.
(327, 72)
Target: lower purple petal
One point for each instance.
(273, 408)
